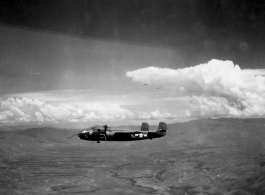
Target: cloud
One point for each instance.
(255, 71)
(26, 110)
(155, 115)
(217, 88)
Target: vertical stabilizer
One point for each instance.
(162, 129)
(145, 126)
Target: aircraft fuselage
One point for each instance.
(120, 136)
(105, 133)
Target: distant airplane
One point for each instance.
(105, 133)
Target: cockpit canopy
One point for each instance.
(97, 129)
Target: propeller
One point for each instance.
(70, 137)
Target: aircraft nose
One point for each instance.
(80, 135)
(83, 135)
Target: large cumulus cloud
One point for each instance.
(26, 110)
(217, 88)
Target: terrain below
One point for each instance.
(221, 156)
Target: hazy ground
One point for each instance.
(224, 156)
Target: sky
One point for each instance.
(96, 62)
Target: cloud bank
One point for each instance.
(26, 110)
(215, 89)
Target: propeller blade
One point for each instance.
(70, 137)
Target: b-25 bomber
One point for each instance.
(104, 133)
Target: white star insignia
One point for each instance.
(141, 135)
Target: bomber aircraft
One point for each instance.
(105, 133)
